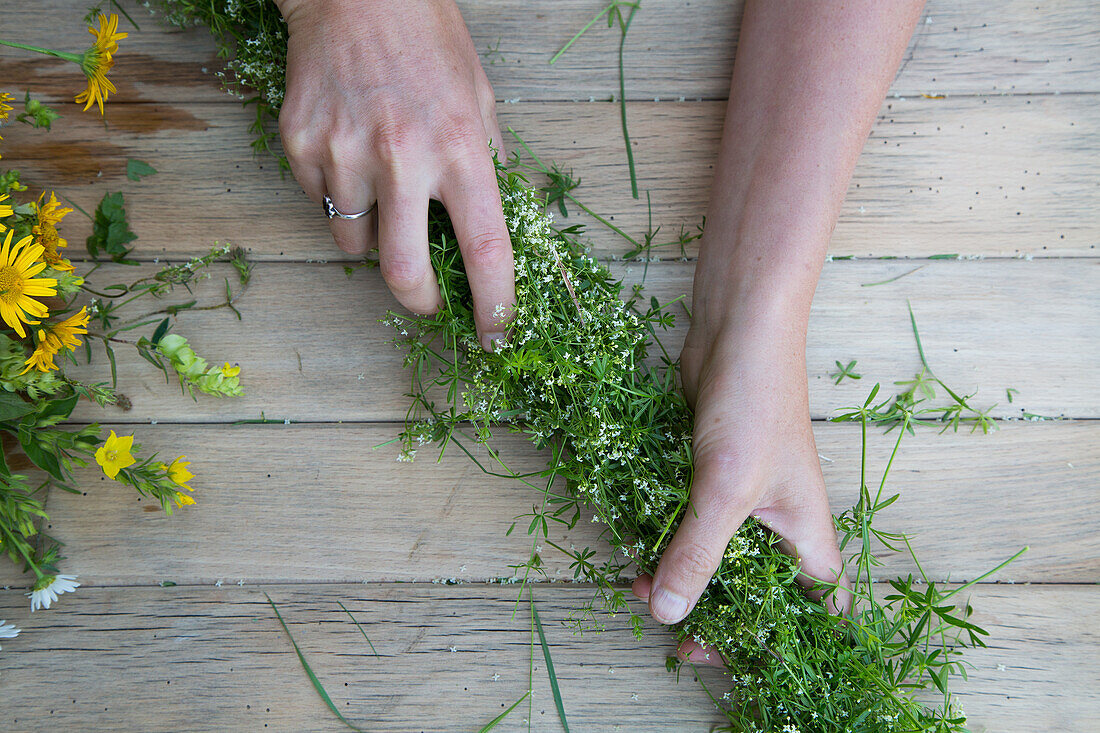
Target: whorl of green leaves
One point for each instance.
(585, 378)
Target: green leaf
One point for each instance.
(110, 230)
(62, 408)
(13, 407)
(44, 459)
(135, 169)
(159, 333)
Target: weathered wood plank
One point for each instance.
(675, 48)
(160, 659)
(319, 504)
(1000, 176)
(312, 349)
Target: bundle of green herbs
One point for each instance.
(585, 378)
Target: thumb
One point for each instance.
(694, 553)
(811, 538)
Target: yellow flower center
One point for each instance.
(11, 284)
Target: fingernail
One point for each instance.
(489, 341)
(666, 606)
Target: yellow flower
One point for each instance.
(5, 97)
(230, 371)
(114, 455)
(183, 499)
(54, 338)
(64, 334)
(98, 60)
(5, 210)
(18, 285)
(45, 233)
(42, 358)
(178, 472)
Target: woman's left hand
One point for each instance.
(743, 368)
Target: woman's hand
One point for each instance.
(743, 370)
(807, 82)
(386, 101)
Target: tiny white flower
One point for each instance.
(48, 588)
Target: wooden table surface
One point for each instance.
(987, 148)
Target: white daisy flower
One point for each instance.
(8, 631)
(47, 589)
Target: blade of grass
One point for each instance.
(549, 667)
(495, 721)
(622, 102)
(916, 335)
(309, 670)
(364, 633)
(895, 277)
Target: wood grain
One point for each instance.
(998, 176)
(215, 659)
(311, 346)
(676, 48)
(319, 503)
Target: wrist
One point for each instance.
(766, 281)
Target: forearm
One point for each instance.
(808, 80)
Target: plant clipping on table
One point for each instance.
(585, 378)
(50, 315)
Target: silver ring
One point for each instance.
(333, 213)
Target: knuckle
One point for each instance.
(461, 137)
(393, 143)
(695, 560)
(487, 250)
(298, 142)
(402, 273)
(345, 147)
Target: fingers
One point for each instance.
(696, 550)
(472, 199)
(350, 194)
(403, 247)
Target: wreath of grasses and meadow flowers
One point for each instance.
(52, 316)
(586, 379)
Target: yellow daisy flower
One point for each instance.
(45, 233)
(179, 474)
(42, 358)
(18, 285)
(114, 455)
(98, 60)
(183, 499)
(6, 210)
(58, 336)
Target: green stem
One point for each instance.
(77, 59)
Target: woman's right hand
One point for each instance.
(386, 102)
